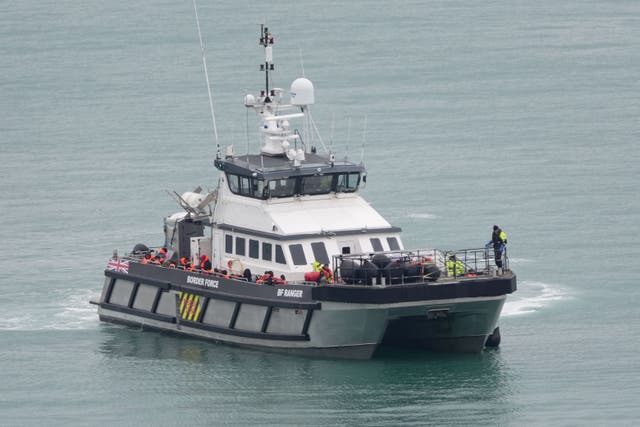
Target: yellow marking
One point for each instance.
(183, 298)
(197, 316)
(187, 306)
(192, 309)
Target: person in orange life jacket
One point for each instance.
(187, 264)
(280, 280)
(162, 255)
(205, 263)
(327, 273)
(149, 257)
(266, 279)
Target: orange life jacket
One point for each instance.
(328, 274)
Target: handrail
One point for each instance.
(138, 258)
(416, 266)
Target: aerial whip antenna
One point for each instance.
(364, 139)
(206, 74)
(301, 62)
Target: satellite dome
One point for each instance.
(249, 100)
(302, 92)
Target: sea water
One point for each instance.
(466, 114)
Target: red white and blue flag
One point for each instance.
(118, 265)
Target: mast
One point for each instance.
(266, 40)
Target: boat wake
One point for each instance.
(532, 297)
(69, 310)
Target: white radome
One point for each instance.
(302, 92)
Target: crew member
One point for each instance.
(499, 242)
(455, 268)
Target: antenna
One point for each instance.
(206, 74)
(364, 139)
(333, 122)
(301, 62)
(348, 137)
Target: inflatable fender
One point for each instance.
(493, 340)
(140, 248)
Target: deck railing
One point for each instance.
(415, 266)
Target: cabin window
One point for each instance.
(280, 255)
(376, 244)
(240, 246)
(346, 250)
(228, 243)
(254, 249)
(347, 182)
(297, 254)
(320, 252)
(320, 184)
(393, 243)
(285, 187)
(266, 251)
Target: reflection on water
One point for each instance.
(398, 386)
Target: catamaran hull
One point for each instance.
(337, 322)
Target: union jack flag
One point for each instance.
(118, 265)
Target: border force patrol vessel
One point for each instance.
(236, 264)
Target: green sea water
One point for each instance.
(523, 114)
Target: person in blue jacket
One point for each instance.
(499, 242)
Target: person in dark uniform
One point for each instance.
(499, 242)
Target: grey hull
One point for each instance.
(350, 322)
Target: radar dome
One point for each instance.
(302, 92)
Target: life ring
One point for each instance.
(235, 266)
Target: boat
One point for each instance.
(285, 255)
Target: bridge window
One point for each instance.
(285, 187)
(297, 254)
(320, 252)
(233, 183)
(347, 182)
(247, 186)
(320, 184)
